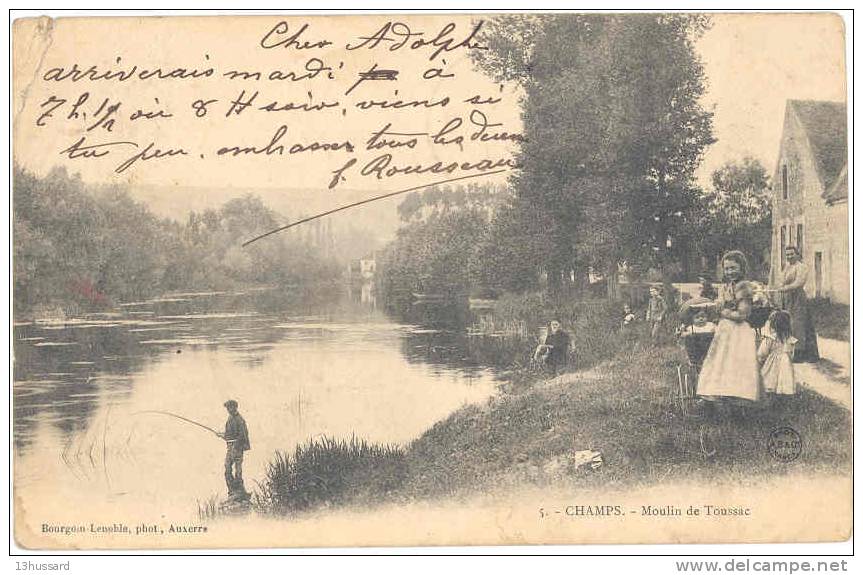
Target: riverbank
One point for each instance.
(622, 408)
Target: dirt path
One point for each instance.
(837, 352)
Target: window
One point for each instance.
(784, 182)
(782, 250)
(800, 239)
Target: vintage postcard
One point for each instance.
(430, 279)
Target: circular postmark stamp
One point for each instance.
(784, 444)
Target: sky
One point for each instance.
(754, 64)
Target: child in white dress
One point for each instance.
(775, 355)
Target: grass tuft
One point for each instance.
(325, 471)
(208, 509)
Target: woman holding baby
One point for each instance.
(731, 369)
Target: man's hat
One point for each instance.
(231, 403)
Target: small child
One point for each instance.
(656, 309)
(697, 337)
(628, 317)
(700, 323)
(775, 353)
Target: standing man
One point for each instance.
(236, 437)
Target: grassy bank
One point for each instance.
(617, 398)
(622, 408)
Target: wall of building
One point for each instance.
(825, 230)
(838, 264)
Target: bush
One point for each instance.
(328, 471)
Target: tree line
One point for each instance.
(614, 132)
(84, 247)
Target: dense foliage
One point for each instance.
(327, 471)
(736, 214)
(78, 247)
(439, 249)
(614, 131)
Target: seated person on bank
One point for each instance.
(554, 350)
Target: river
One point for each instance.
(88, 447)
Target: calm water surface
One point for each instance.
(82, 388)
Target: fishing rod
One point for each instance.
(366, 201)
(180, 417)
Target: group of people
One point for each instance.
(736, 367)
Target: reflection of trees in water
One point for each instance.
(462, 351)
(71, 391)
(447, 342)
(65, 384)
(451, 315)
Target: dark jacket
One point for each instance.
(237, 433)
(559, 343)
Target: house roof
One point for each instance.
(826, 128)
(839, 191)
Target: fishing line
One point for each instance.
(180, 417)
(79, 454)
(128, 447)
(79, 441)
(64, 455)
(105, 448)
(369, 200)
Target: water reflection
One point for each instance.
(83, 390)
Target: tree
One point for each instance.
(439, 248)
(737, 212)
(81, 247)
(613, 133)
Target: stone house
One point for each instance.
(810, 197)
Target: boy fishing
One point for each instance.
(236, 437)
